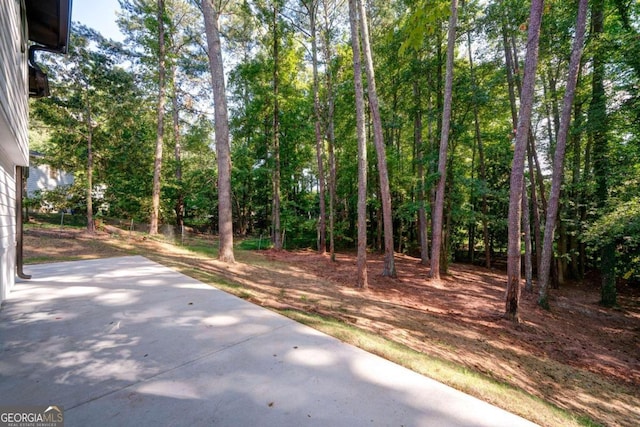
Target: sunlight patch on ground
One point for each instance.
(121, 297)
(221, 320)
(310, 357)
(173, 389)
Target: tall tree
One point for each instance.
(422, 210)
(436, 244)
(157, 168)
(312, 10)
(211, 11)
(598, 127)
(276, 226)
(389, 268)
(481, 158)
(362, 145)
(517, 168)
(558, 161)
(330, 126)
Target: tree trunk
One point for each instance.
(91, 226)
(436, 243)
(598, 125)
(389, 268)
(537, 233)
(177, 138)
(312, 8)
(157, 167)
(277, 237)
(481, 162)
(577, 267)
(330, 135)
(558, 161)
(362, 146)
(422, 211)
(517, 169)
(526, 224)
(223, 149)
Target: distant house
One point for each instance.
(44, 177)
(26, 26)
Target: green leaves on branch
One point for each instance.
(620, 228)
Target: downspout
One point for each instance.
(20, 175)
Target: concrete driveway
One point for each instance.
(128, 342)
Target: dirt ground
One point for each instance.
(579, 355)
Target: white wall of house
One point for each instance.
(14, 144)
(44, 177)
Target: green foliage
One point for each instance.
(118, 83)
(619, 229)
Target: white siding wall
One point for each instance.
(42, 177)
(14, 144)
(7, 230)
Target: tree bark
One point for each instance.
(91, 226)
(177, 152)
(558, 162)
(312, 8)
(157, 166)
(223, 148)
(526, 224)
(598, 125)
(389, 268)
(436, 242)
(362, 146)
(330, 134)
(277, 237)
(422, 211)
(481, 161)
(517, 169)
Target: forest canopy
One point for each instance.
(289, 86)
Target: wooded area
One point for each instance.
(487, 132)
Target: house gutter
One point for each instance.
(48, 25)
(20, 176)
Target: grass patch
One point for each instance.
(254, 244)
(55, 258)
(461, 378)
(209, 249)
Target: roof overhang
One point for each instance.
(49, 22)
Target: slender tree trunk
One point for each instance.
(539, 176)
(598, 125)
(517, 169)
(177, 138)
(558, 162)
(157, 167)
(537, 233)
(526, 224)
(437, 215)
(422, 211)
(389, 268)
(223, 148)
(362, 146)
(330, 134)
(511, 80)
(481, 160)
(312, 8)
(513, 83)
(277, 237)
(91, 226)
(577, 268)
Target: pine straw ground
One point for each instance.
(579, 356)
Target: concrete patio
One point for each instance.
(128, 342)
